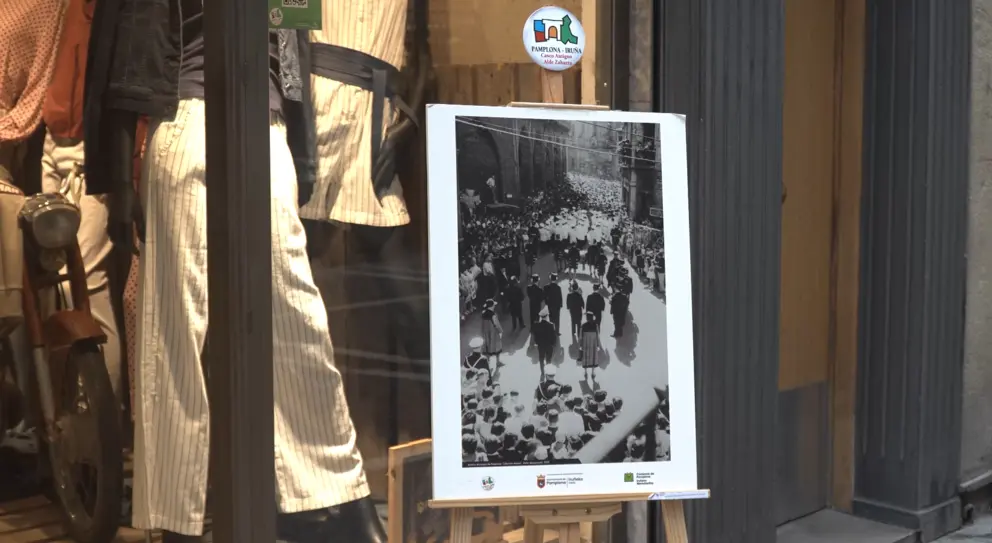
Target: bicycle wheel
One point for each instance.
(86, 450)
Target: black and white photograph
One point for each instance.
(562, 290)
(561, 302)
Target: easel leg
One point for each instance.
(673, 515)
(585, 531)
(569, 533)
(461, 525)
(509, 513)
(533, 532)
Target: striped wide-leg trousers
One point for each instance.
(317, 463)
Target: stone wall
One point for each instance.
(976, 446)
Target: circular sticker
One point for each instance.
(275, 16)
(554, 38)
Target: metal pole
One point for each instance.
(240, 264)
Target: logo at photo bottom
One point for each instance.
(540, 481)
(628, 477)
(488, 483)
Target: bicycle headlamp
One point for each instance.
(52, 220)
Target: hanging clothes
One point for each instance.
(344, 113)
(11, 256)
(30, 33)
(317, 462)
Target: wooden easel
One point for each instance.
(571, 514)
(566, 514)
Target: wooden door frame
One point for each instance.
(845, 246)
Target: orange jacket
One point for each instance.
(63, 109)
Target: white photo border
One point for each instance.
(451, 480)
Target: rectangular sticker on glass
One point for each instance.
(294, 14)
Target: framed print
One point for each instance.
(561, 308)
(410, 518)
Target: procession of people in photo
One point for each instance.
(557, 242)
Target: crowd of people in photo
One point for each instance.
(581, 227)
(646, 251)
(506, 428)
(500, 245)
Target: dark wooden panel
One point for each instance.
(242, 446)
(914, 217)
(722, 66)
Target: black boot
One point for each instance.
(354, 522)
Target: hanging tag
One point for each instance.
(294, 14)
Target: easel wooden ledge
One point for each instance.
(569, 513)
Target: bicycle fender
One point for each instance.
(66, 328)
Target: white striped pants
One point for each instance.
(317, 463)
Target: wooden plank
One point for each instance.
(495, 84)
(455, 85)
(560, 87)
(28, 519)
(590, 10)
(807, 177)
(552, 87)
(126, 535)
(22, 505)
(500, 84)
(847, 247)
(528, 82)
(519, 535)
(472, 32)
(395, 502)
(543, 500)
(572, 80)
(445, 81)
(673, 515)
(36, 519)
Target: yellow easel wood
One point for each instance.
(572, 516)
(573, 520)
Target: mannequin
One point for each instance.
(27, 46)
(361, 132)
(322, 491)
(27, 56)
(344, 191)
(26, 61)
